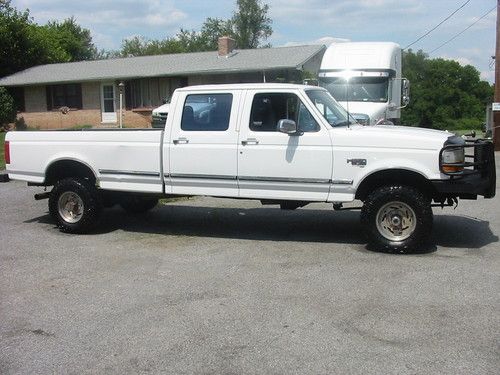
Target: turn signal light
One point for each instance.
(452, 169)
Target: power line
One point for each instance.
(464, 30)
(439, 24)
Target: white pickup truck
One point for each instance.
(279, 143)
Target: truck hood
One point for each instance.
(162, 109)
(374, 110)
(392, 137)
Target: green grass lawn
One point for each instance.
(2, 156)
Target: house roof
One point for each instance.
(247, 60)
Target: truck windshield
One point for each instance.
(333, 112)
(358, 89)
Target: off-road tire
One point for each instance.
(416, 200)
(92, 205)
(135, 204)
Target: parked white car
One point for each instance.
(279, 143)
(160, 115)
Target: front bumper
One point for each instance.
(478, 177)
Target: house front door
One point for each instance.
(108, 109)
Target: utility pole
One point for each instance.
(496, 114)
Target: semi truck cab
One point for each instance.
(365, 78)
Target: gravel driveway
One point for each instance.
(212, 286)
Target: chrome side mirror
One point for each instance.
(392, 107)
(287, 126)
(405, 92)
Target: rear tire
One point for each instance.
(397, 219)
(75, 205)
(135, 204)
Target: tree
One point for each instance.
(251, 24)
(213, 29)
(24, 44)
(73, 39)
(140, 46)
(7, 109)
(445, 95)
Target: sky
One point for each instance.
(296, 22)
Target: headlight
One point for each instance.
(452, 156)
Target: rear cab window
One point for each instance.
(206, 112)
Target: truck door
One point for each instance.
(275, 165)
(203, 144)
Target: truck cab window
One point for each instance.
(207, 112)
(268, 109)
(358, 89)
(329, 108)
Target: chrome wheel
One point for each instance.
(70, 207)
(396, 221)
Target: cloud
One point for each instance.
(487, 22)
(462, 60)
(112, 13)
(109, 17)
(341, 12)
(488, 75)
(326, 40)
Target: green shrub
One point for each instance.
(20, 124)
(461, 123)
(79, 127)
(7, 109)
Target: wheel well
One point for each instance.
(394, 176)
(67, 168)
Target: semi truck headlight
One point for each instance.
(451, 156)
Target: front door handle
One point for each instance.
(250, 141)
(180, 140)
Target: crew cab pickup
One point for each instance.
(278, 143)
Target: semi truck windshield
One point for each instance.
(357, 89)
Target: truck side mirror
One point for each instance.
(287, 126)
(405, 92)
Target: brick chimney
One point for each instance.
(226, 45)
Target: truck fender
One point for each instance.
(69, 158)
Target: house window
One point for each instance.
(150, 92)
(69, 95)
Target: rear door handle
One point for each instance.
(180, 140)
(250, 141)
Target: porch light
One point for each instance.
(121, 86)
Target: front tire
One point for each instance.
(397, 219)
(75, 205)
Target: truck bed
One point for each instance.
(126, 158)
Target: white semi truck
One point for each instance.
(365, 78)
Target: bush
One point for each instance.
(20, 124)
(458, 124)
(7, 109)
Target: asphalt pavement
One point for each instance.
(214, 286)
